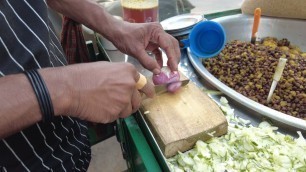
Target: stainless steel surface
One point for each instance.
(239, 27)
(160, 89)
(181, 22)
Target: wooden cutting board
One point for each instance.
(179, 120)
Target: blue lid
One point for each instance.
(207, 39)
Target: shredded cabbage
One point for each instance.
(244, 148)
(213, 92)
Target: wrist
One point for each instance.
(42, 94)
(59, 88)
(111, 28)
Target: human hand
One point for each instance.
(136, 39)
(131, 38)
(102, 91)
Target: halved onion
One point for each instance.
(168, 77)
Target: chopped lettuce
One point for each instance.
(244, 148)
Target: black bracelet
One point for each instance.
(42, 94)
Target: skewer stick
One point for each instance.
(257, 15)
(276, 77)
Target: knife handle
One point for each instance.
(142, 81)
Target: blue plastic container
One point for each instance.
(206, 39)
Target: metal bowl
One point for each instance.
(239, 27)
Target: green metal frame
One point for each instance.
(138, 154)
(154, 146)
(222, 14)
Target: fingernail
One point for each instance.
(156, 71)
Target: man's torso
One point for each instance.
(27, 41)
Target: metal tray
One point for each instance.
(240, 27)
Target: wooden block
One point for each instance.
(179, 120)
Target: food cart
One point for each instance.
(139, 146)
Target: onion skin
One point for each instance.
(170, 78)
(173, 77)
(161, 78)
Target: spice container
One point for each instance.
(140, 11)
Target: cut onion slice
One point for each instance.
(167, 77)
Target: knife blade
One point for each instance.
(160, 89)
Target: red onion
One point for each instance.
(173, 76)
(161, 78)
(173, 87)
(168, 77)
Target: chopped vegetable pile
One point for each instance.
(244, 148)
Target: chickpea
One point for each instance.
(249, 69)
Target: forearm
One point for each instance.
(87, 12)
(18, 104)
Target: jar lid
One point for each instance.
(181, 22)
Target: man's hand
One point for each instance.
(102, 92)
(131, 38)
(136, 39)
(99, 92)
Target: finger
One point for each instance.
(148, 62)
(167, 43)
(173, 61)
(148, 90)
(177, 50)
(158, 57)
(136, 99)
(170, 48)
(154, 48)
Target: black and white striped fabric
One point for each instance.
(27, 41)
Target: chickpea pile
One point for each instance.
(249, 70)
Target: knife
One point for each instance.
(160, 89)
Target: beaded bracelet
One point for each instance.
(42, 94)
